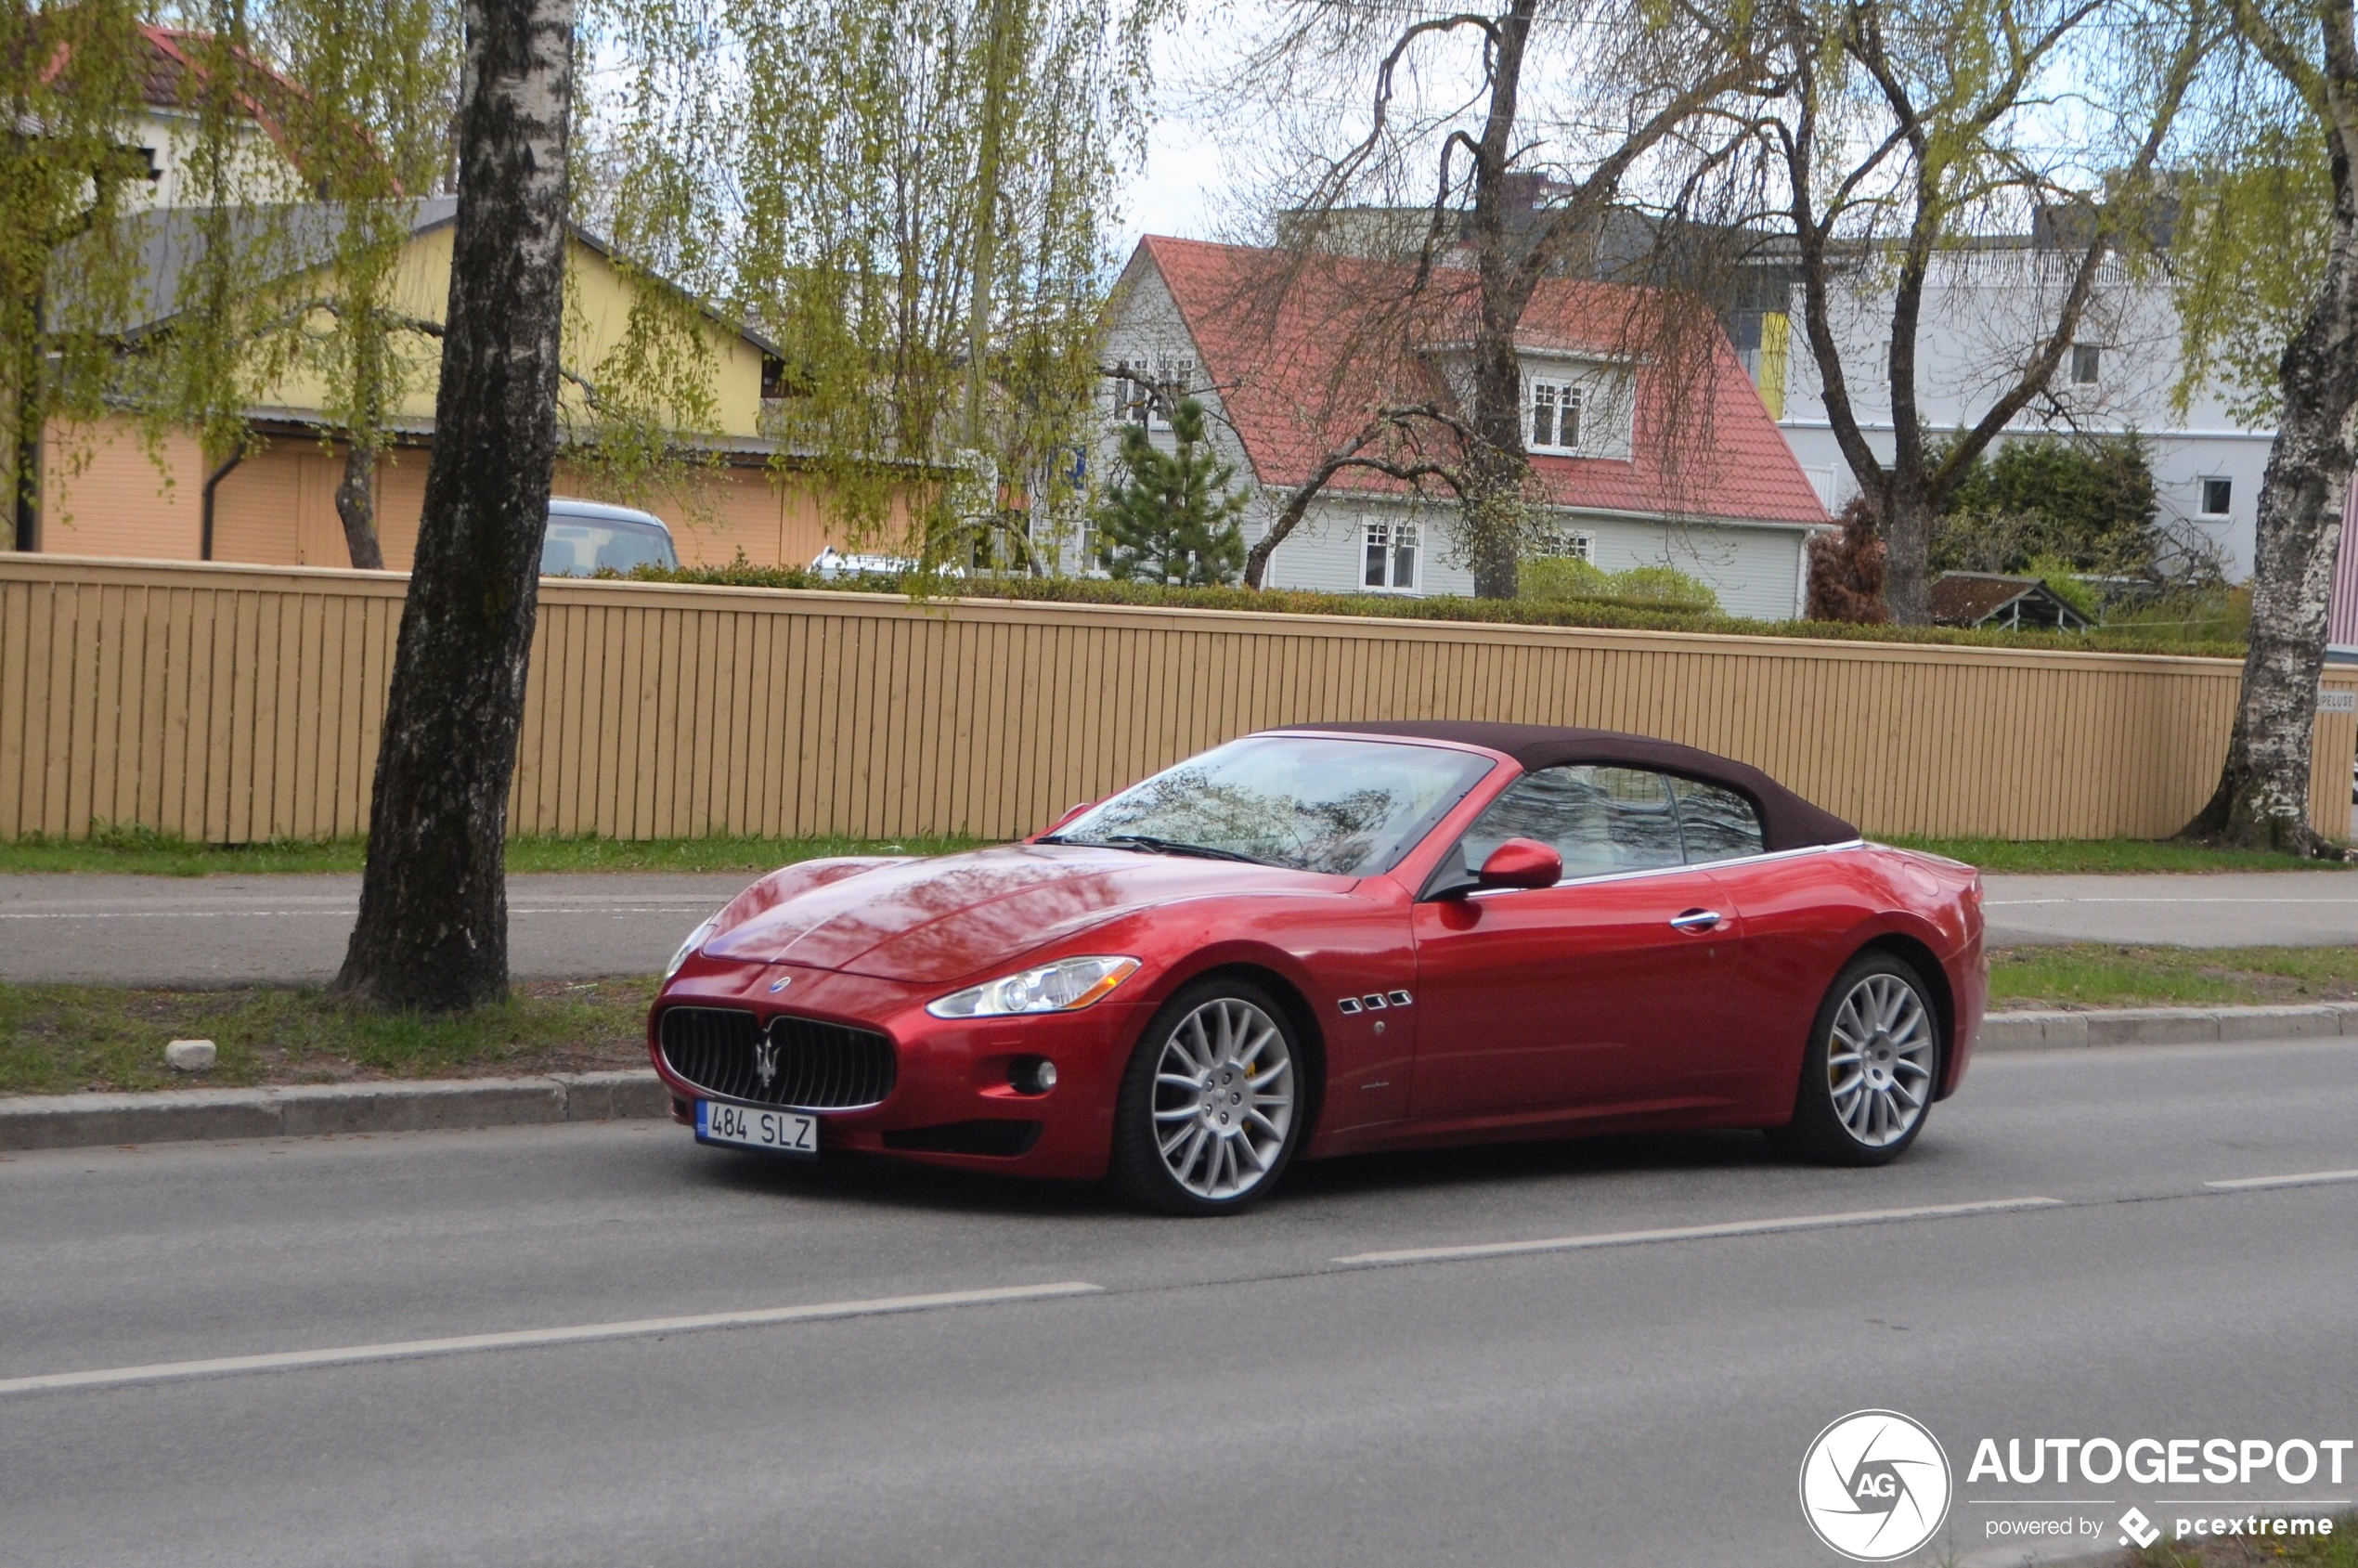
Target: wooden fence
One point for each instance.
(234, 703)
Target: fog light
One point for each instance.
(1031, 1075)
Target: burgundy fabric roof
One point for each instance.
(1787, 821)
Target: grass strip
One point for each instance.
(142, 851)
(2104, 974)
(63, 1038)
(2106, 856)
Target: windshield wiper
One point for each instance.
(1154, 846)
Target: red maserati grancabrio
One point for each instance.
(1338, 939)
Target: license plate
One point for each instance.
(779, 1132)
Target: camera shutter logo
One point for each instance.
(1874, 1485)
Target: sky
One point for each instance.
(1178, 191)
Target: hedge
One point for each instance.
(1609, 615)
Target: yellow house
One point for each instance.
(105, 493)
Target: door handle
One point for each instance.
(1695, 920)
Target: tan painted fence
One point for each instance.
(237, 703)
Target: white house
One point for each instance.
(1278, 352)
(1985, 308)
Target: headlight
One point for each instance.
(695, 939)
(1066, 985)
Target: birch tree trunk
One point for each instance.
(2263, 799)
(357, 508)
(433, 932)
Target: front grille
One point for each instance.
(812, 1066)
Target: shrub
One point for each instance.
(1597, 614)
(1847, 570)
(1555, 579)
(2067, 584)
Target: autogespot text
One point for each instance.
(2162, 1462)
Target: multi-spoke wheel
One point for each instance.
(1867, 1078)
(1210, 1104)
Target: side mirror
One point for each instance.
(1522, 862)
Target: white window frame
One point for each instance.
(1559, 394)
(1137, 398)
(2202, 495)
(1580, 544)
(1394, 538)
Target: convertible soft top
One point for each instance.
(1787, 821)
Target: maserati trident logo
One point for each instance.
(765, 1061)
(1874, 1485)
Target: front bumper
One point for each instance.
(952, 1102)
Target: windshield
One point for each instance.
(576, 547)
(1349, 808)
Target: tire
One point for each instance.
(1204, 1122)
(1850, 1113)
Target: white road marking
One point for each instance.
(1696, 1233)
(525, 1339)
(2307, 1178)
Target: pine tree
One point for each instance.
(1171, 516)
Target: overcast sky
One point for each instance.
(1178, 191)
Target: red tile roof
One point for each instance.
(1298, 379)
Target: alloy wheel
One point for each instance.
(1878, 1061)
(1223, 1099)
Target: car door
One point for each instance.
(1603, 991)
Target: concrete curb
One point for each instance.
(2163, 1026)
(32, 1121)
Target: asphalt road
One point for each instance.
(165, 930)
(1228, 1393)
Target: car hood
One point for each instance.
(932, 921)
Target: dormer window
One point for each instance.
(1555, 416)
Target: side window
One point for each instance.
(1716, 824)
(1599, 818)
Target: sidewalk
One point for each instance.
(292, 930)
(2229, 909)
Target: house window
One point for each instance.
(1578, 543)
(1145, 394)
(1555, 416)
(2087, 364)
(2218, 496)
(1391, 556)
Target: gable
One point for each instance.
(1305, 348)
